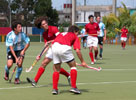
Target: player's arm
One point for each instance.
(105, 32)
(13, 53)
(76, 46)
(23, 51)
(27, 41)
(79, 54)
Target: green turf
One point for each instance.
(117, 80)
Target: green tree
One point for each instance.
(111, 22)
(23, 10)
(4, 10)
(44, 8)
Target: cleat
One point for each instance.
(6, 77)
(75, 90)
(55, 92)
(69, 80)
(17, 81)
(100, 58)
(92, 63)
(33, 83)
(95, 60)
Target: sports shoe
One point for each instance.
(17, 81)
(100, 58)
(55, 92)
(75, 90)
(69, 80)
(92, 63)
(95, 60)
(33, 83)
(6, 77)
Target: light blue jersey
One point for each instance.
(83, 31)
(17, 41)
(102, 28)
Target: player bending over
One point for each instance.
(62, 52)
(49, 34)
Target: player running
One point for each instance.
(101, 36)
(92, 30)
(17, 43)
(49, 34)
(62, 52)
(124, 32)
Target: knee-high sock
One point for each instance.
(91, 56)
(64, 72)
(55, 78)
(101, 50)
(6, 69)
(124, 45)
(73, 75)
(19, 71)
(39, 73)
(96, 53)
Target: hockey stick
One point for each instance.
(13, 73)
(34, 63)
(90, 67)
(14, 69)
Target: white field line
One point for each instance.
(86, 69)
(95, 83)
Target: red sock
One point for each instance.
(91, 56)
(124, 45)
(39, 73)
(96, 53)
(73, 75)
(64, 72)
(55, 80)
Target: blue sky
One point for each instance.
(58, 4)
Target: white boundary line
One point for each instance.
(95, 83)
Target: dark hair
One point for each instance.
(39, 20)
(90, 16)
(73, 29)
(14, 24)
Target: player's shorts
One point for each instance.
(10, 55)
(84, 38)
(92, 41)
(123, 39)
(62, 53)
(100, 40)
(49, 54)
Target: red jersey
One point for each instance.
(92, 29)
(124, 32)
(68, 38)
(50, 33)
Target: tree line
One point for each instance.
(27, 10)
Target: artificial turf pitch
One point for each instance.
(116, 81)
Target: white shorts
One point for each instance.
(49, 54)
(61, 53)
(123, 39)
(92, 41)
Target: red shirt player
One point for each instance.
(92, 30)
(62, 52)
(49, 34)
(124, 32)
